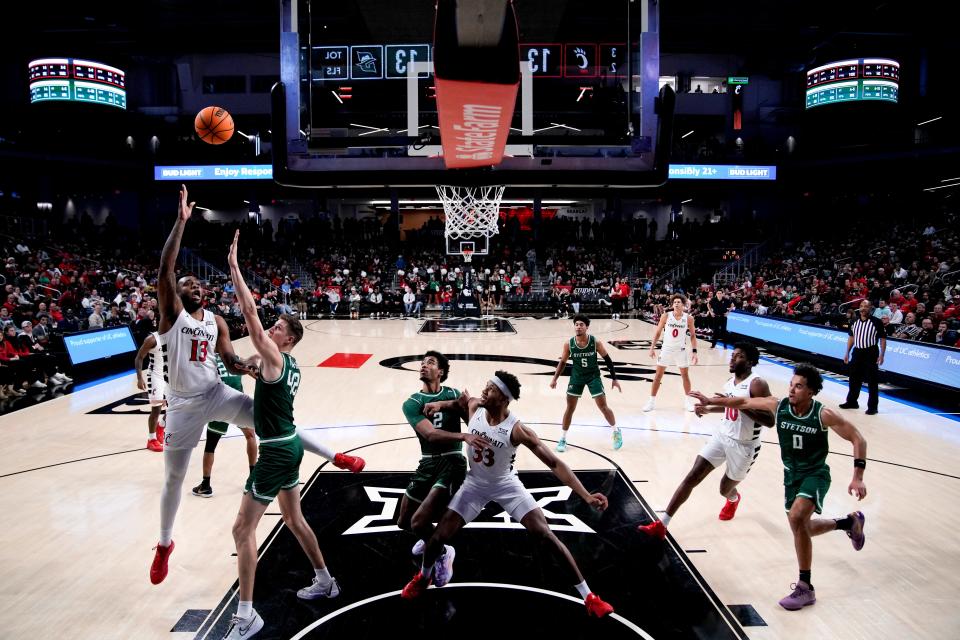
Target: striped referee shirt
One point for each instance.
(866, 333)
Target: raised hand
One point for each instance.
(185, 209)
(232, 254)
(699, 397)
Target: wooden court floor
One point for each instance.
(80, 494)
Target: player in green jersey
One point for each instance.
(802, 427)
(442, 465)
(276, 474)
(582, 349)
(216, 430)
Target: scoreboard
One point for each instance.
(861, 79)
(76, 80)
(390, 61)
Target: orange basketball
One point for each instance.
(214, 125)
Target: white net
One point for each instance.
(471, 212)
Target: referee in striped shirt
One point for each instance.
(865, 332)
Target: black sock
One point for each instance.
(205, 483)
(805, 577)
(251, 469)
(844, 524)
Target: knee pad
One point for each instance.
(212, 439)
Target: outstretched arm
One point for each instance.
(272, 362)
(564, 356)
(760, 389)
(850, 433)
(169, 301)
(768, 403)
(529, 439)
(460, 404)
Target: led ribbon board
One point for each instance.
(918, 360)
(855, 80)
(76, 80)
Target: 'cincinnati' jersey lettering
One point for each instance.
(188, 349)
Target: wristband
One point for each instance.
(693, 350)
(859, 463)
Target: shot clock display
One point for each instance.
(76, 80)
(861, 79)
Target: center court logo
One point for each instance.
(389, 501)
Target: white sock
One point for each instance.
(736, 499)
(665, 519)
(175, 463)
(245, 609)
(582, 589)
(425, 570)
(153, 436)
(323, 576)
(312, 444)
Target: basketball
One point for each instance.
(214, 125)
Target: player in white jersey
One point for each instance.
(674, 326)
(154, 385)
(189, 336)
(492, 477)
(736, 441)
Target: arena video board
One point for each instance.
(856, 80)
(77, 80)
(921, 361)
(99, 344)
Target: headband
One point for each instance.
(495, 380)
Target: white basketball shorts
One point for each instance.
(509, 493)
(188, 416)
(156, 389)
(673, 357)
(739, 456)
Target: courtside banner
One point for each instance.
(919, 360)
(474, 121)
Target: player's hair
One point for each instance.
(749, 350)
(581, 318)
(442, 363)
(511, 381)
(811, 374)
(679, 297)
(294, 326)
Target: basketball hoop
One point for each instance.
(471, 212)
(467, 255)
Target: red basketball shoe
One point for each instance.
(154, 445)
(160, 433)
(158, 570)
(597, 607)
(655, 529)
(415, 587)
(354, 464)
(730, 509)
